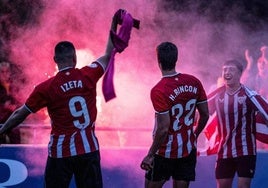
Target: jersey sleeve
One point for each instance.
(37, 99)
(93, 71)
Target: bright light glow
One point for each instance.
(84, 57)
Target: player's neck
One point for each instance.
(232, 89)
(65, 68)
(168, 73)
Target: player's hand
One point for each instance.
(147, 163)
(249, 59)
(117, 19)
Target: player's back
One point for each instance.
(180, 92)
(71, 104)
(73, 99)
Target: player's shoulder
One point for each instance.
(42, 87)
(46, 82)
(94, 66)
(158, 87)
(189, 76)
(217, 91)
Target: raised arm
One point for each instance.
(17, 117)
(104, 60)
(248, 76)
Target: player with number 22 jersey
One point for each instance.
(178, 95)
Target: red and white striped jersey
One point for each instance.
(70, 98)
(236, 122)
(178, 95)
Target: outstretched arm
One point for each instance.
(17, 117)
(104, 60)
(248, 76)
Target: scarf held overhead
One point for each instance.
(120, 42)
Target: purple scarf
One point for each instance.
(120, 42)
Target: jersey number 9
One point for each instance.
(78, 109)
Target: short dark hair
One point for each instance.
(235, 63)
(64, 50)
(167, 55)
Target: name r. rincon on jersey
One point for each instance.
(182, 89)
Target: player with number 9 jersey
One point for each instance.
(178, 95)
(70, 99)
(73, 91)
